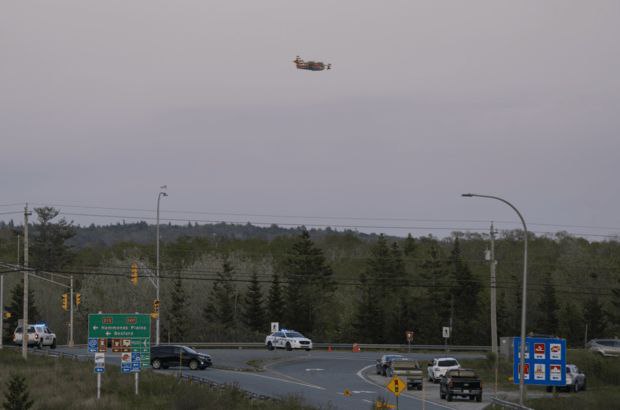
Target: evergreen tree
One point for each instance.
(178, 323)
(614, 314)
(17, 395)
(16, 306)
(572, 326)
(436, 301)
(275, 301)
(368, 322)
(222, 300)
(547, 309)
(409, 245)
(465, 292)
(49, 250)
(594, 317)
(254, 316)
(382, 312)
(309, 283)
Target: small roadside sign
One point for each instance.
(135, 362)
(409, 335)
(446, 332)
(397, 385)
(126, 362)
(275, 326)
(99, 362)
(93, 345)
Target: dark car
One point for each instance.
(163, 357)
(385, 362)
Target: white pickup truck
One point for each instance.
(38, 335)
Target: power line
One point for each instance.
(347, 226)
(330, 217)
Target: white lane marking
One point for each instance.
(363, 392)
(361, 376)
(367, 401)
(314, 370)
(275, 378)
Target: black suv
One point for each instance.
(163, 357)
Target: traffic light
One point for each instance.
(65, 301)
(134, 273)
(156, 306)
(78, 299)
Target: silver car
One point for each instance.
(575, 379)
(605, 347)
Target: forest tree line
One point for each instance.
(331, 286)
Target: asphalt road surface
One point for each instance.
(320, 377)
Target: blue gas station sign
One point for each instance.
(545, 361)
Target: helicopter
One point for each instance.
(311, 65)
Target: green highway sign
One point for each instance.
(121, 333)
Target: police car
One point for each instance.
(288, 339)
(38, 335)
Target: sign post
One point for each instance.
(446, 335)
(396, 385)
(128, 334)
(409, 336)
(99, 368)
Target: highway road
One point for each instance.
(320, 377)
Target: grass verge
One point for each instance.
(69, 384)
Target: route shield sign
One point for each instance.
(397, 385)
(126, 334)
(92, 345)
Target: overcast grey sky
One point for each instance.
(101, 102)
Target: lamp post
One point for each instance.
(524, 296)
(161, 193)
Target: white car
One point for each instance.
(38, 335)
(288, 339)
(439, 366)
(605, 347)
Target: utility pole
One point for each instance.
(71, 312)
(25, 316)
(493, 295)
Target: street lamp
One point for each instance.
(161, 193)
(524, 297)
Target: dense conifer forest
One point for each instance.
(226, 282)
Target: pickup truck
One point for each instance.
(460, 382)
(410, 370)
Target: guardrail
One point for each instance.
(338, 346)
(505, 404)
(45, 352)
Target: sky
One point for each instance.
(103, 102)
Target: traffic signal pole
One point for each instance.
(71, 313)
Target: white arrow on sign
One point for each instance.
(108, 333)
(95, 327)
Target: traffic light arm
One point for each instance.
(147, 273)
